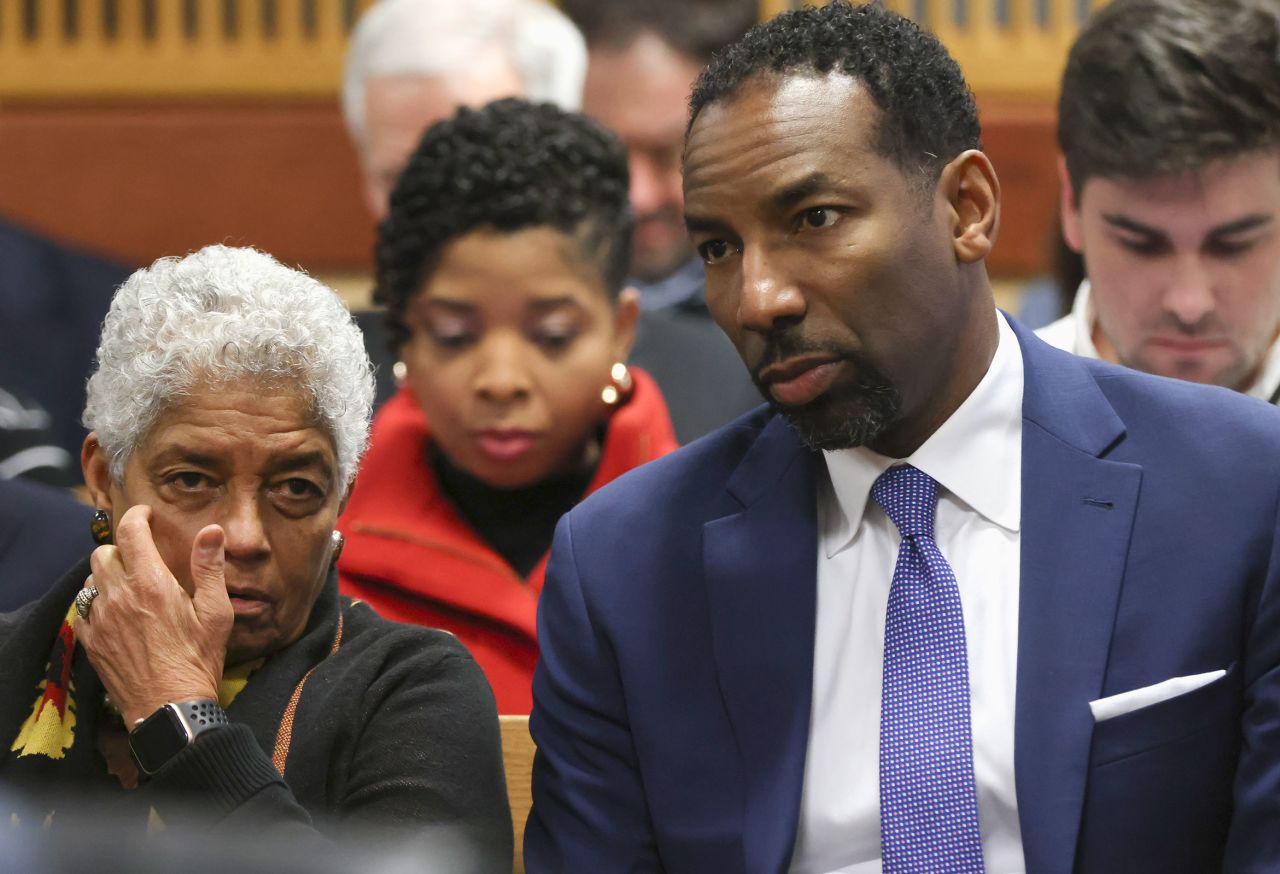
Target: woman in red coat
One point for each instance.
(501, 265)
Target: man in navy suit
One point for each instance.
(43, 532)
(52, 302)
(956, 600)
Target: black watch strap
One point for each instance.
(171, 729)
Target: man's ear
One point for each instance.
(973, 191)
(1069, 208)
(97, 472)
(626, 314)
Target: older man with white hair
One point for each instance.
(414, 62)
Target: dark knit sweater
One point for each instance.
(396, 728)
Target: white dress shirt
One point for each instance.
(1074, 333)
(976, 458)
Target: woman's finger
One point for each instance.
(136, 547)
(105, 564)
(208, 561)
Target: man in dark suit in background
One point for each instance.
(43, 532)
(959, 602)
(52, 302)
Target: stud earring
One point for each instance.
(620, 385)
(100, 527)
(338, 541)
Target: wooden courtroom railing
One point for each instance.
(173, 48)
(517, 759)
(200, 48)
(1006, 47)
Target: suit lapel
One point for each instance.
(760, 565)
(1077, 514)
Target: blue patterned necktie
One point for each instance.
(928, 796)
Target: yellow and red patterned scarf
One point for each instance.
(50, 730)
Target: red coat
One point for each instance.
(412, 557)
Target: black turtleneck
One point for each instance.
(517, 523)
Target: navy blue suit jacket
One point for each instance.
(673, 694)
(43, 533)
(52, 302)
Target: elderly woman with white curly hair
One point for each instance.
(202, 653)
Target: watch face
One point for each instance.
(159, 738)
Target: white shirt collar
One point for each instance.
(976, 454)
(1084, 318)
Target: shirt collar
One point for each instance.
(976, 454)
(1085, 318)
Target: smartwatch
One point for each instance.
(172, 729)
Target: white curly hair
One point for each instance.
(219, 315)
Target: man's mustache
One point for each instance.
(781, 347)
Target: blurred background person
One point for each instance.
(502, 264)
(411, 63)
(52, 300)
(1169, 125)
(229, 411)
(43, 530)
(643, 56)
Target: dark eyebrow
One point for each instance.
(781, 200)
(1125, 223)
(795, 192)
(448, 303)
(694, 224)
(555, 302)
(300, 462)
(1239, 226)
(187, 456)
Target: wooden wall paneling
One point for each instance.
(144, 180)
(141, 180)
(1020, 137)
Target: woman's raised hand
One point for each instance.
(149, 640)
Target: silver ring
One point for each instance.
(84, 600)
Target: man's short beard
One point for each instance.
(848, 414)
(844, 417)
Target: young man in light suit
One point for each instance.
(955, 601)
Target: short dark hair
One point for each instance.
(928, 115)
(1154, 87)
(695, 28)
(508, 166)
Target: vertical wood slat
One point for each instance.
(230, 20)
(30, 21)
(88, 24)
(170, 37)
(1022, 17)
(1062, 16)
(130, 37)
(331, 32)
(290, 37)
(8, 23)
(983, 18)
